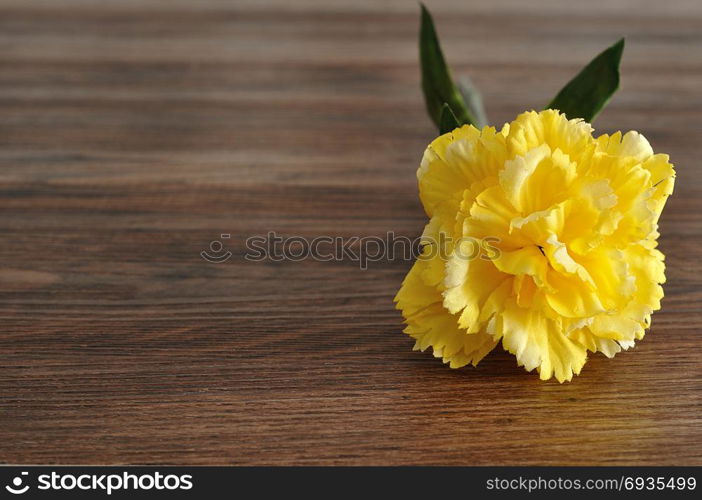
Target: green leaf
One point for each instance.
(437, 84)
(474, 101)
(586, 94)
(448, 121)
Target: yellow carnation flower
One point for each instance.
(571, 225)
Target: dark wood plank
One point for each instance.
(133, 133)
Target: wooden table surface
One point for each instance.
(135, 132)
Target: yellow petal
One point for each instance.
(530, 130)
(454, 161)
(537, 342)
(570, 298)
(468, 284)
(524, 178)
(632, 145)
(433, 326)
(592, 343)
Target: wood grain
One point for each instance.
(134, 132)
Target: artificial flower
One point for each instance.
(567, 226)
